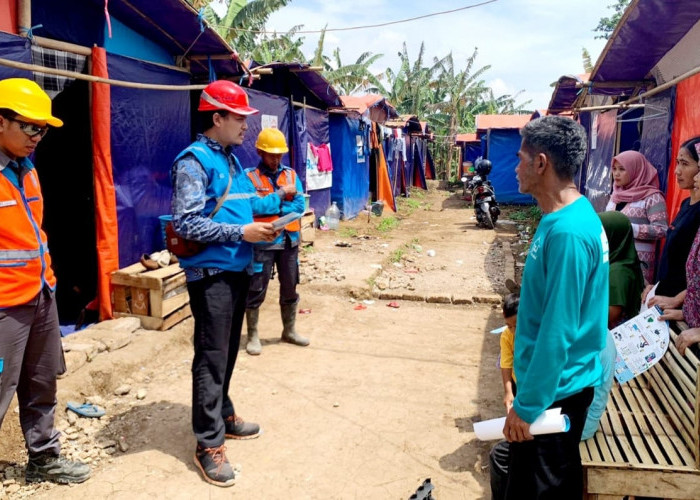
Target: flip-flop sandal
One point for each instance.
(85, 410)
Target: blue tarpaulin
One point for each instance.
(149, 128)
(311, 125)
(602, 147)
(503, 146)
(350, 171)
(273, 110)
(14, 48)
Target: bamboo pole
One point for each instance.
(90, 78)
(24, 16)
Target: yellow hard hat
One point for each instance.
(272, 141)
(26, 98)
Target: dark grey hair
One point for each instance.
(562, 139)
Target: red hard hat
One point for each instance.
(226, 95)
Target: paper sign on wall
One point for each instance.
(268, 121)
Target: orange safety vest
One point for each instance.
(25, 264)
(263, 186)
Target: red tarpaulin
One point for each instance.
(105, 200)
(686, 125)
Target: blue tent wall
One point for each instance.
(14, 48)
(395, 164)
(350, 177)
(503, 146)
(75, 21)
(598, 184)
(127, 42)
(656, 133)
(311, 125)
(149, 128)
(272, 106)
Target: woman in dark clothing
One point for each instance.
(680, 235)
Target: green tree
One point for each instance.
(607, 25)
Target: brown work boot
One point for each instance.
(237, 428)
(214, 466)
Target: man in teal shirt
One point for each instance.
(562, 319)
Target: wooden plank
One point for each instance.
(633, 419)
(176, 317)
(164, 272)
(584, 451)
(616, 455)
(132, 269)
(602, 446)
(664, 484)
(174, 303)
(136, 280)
(664, 418)
(680, 370)
(623, 466)
(119, 302)
(156, 298)
(174, 282)
(658, 422)
(671, 409)
(619, 432)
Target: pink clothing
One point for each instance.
(323, 153)
(691, 304)
(644, 179)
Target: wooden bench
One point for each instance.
(647, 442)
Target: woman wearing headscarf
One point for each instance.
(626, 284)
(636, 194)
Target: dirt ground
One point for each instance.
(382, 399)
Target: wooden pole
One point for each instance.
(90, 78)
(24, 16)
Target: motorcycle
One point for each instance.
(483, 196)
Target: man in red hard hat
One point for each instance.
(213, 203)
(31, 354)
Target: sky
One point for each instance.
(528, 43)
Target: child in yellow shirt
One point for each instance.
(510, 314)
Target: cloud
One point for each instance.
(528, 43)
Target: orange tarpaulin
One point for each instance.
(105, 199)
(686, 125)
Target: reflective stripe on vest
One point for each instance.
(25, 264)
(263, 186)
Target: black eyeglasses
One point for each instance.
(31, 129)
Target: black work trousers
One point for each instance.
(287, 262)
(548, 467)
(218, 306)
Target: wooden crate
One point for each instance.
(308, 228)
(158, 298)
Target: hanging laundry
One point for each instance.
(323, 156)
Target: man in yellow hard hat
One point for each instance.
(31, 354)
(268, 177)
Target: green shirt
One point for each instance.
(563, 313)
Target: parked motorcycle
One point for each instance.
(483, 195)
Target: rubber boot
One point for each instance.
(253, 346)
(289, 318)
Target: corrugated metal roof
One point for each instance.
(485, 122)
(470, 137)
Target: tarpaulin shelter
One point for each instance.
(646, 73)
(350, 147)
(500, 135)
(469, 150)
(405, 154)
(310, 95)
(355, 139)
(118, 143)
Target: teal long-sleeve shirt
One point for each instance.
(562, 318)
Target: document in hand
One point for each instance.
(640, 343)
(286, 219)
(549, 422)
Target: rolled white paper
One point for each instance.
(549, 422)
